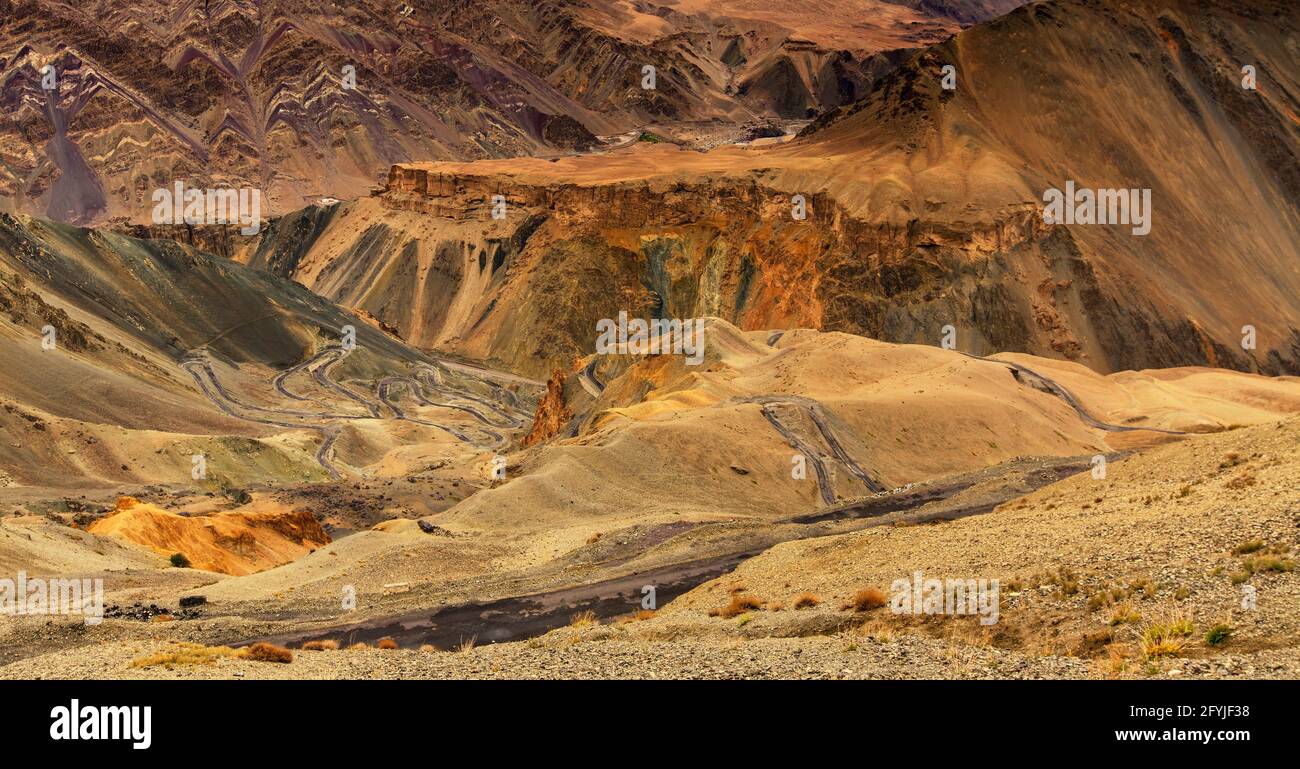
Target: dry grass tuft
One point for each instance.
(867, 599)
(805, 601)
(265, 652)
(387, 643)
(583, 619)
(739, 605)
(320, 646)
(1248, 547)
(1167, 639)
(188, 654)
(1124, 613)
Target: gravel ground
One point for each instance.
(599, 654)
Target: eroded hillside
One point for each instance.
(924, 209)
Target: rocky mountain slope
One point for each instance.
(924, 210)
(123, 360)
(107, 101)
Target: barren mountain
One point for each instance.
(924, 210)
(124, 359)
(318, 100)
(389, 413)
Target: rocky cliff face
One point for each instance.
(924, 210)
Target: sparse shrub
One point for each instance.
(594, 538)
(867, 599)
(583, 619)
(1142, 585)
(359, 646)
(745, 619)
(188, 654)
(1266, 563)
(466, 645)
(805, 601)
(320, 646)
(1162, 641)
(428, 648)
(739, 605)
(265, 652)
(179, 561)
(1063, 578)
(1124, 613)
(387, 643)
(1218, 634)
(1117, 657)
(1248, 547)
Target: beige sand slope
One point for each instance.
(668, 442)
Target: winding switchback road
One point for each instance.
(320, 366)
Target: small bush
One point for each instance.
(320, 646)
(428, 648)
(1162, 641)
(805, 601)
(867, 599)
(387, 643)
(265, 652)
(1246, 548)
(583, 619)
(179, 561)
(1124, 613)
(1266, 563)
(1218, 634)
(739, 605)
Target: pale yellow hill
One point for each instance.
(231, 543)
